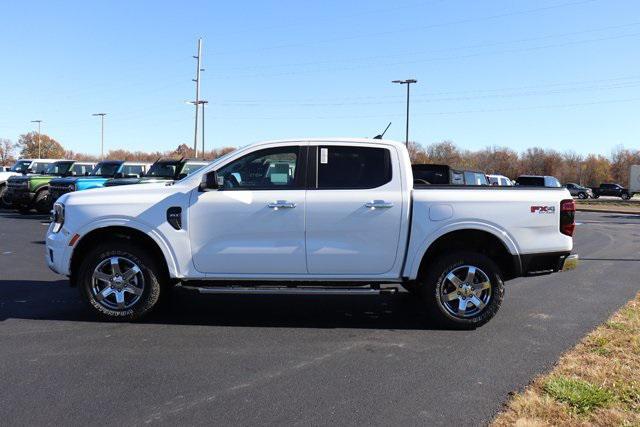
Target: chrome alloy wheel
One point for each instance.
(465, 291)
(117, 283)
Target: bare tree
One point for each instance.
(7, 148)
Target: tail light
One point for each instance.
(567, 217)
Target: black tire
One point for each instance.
(625, 196)
(42, 202)
(596, 196)
(434, 283)
(4, 204)
(582, 196)
(152, 277)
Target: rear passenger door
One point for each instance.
(354, 209)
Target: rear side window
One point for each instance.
(132, 170)
(353, 167)
(80, 169)
(531, 181)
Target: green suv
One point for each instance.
(27, 192)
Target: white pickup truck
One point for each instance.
(338, 216)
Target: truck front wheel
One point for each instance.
(462, 290)
(120, 281)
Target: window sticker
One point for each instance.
(324, 156)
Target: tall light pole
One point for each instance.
(203, 104)
(407, 82)
(38, 122)
(101, 133)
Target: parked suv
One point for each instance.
(161, 171)
(499, 181)
(97, 178)
(32, 191)
(21, 166)
(615, 190)
(579, 191)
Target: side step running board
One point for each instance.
(284, 290)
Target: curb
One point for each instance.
(606, 211)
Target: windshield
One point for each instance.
(58, 168)
(163, 169)
(21, 166)
(106, 169)
(39, 167)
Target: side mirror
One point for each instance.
(182, 175)
(86, 173)
(210, 181)
(118, 175)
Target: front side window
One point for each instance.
(271, 168)
(190, 168)
(58, 168)
(163, 169)
(106, 169)
(348, 167)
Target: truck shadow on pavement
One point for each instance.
(55, 300)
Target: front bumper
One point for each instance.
(55, 193)
(19, 197)
(57, 250)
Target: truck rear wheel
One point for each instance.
(462, 290)
(120, 281)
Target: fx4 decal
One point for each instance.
(543, 209)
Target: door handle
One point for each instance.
(282, 204)
(378, 204)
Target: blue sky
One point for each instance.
(561, 74)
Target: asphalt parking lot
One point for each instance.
(290, 360)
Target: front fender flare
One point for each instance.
(157, 237)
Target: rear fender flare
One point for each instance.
(413, 263)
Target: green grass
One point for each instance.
(580, 395)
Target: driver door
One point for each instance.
(254, 224)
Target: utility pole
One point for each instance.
(407, 82)
(197, 101)
(101, 133)
(38, 122)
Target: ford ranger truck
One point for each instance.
(163, 170)
(97, 178)
(32, 191)
(336, 216)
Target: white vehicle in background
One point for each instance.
(335, 216)
(634, 179)
(499, 181)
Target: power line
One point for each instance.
(409, 29)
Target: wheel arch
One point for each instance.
(483, 239)
(128, 231)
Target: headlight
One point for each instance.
(72, 187)
(58, 217)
